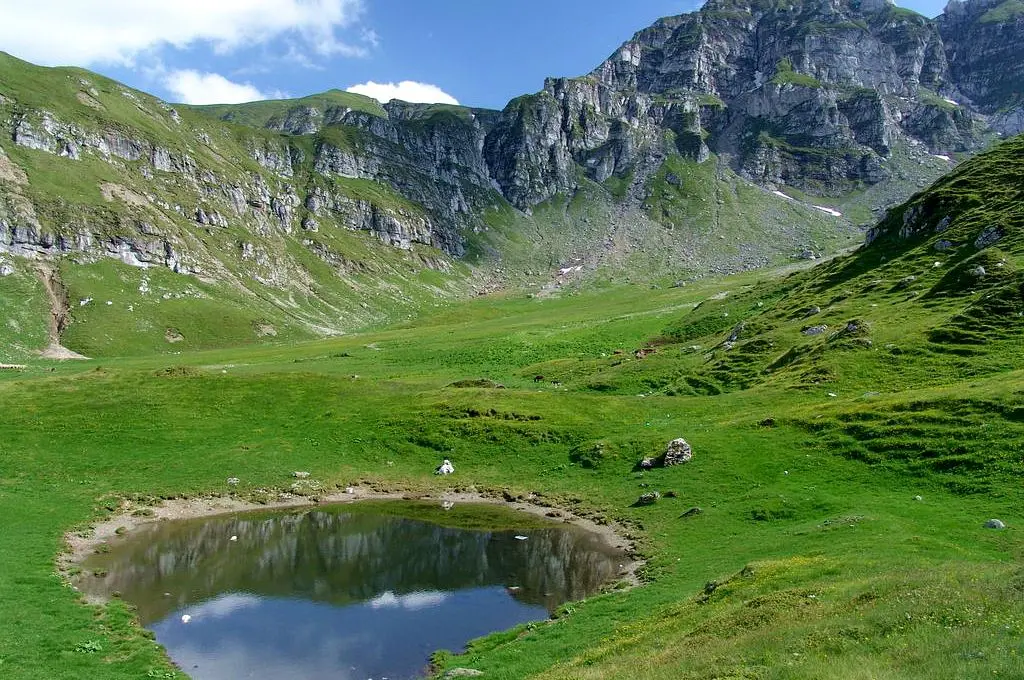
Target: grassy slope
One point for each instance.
(848, 574)
(861, 545)
(259, 114)
(367, 282)
(813, 557)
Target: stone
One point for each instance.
(462, 673)
(815, 330)
(677, 453)
(979, 272)
(943, 245)
(692, 512)
(990, 236)
(6, 269)
(647, 464)
(995, 524)
(445, 468)
(300, 475)
(233, 481)
(649, 498)
(813, 311)
(737, 331)
(918, 498)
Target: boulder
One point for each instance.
(988, 237)
(737, 331)
(677, 453)
(995, 524)
(815, 330)
(649, 498)
(462, 673)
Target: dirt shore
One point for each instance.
(80, 546)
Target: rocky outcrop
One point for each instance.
(818, 94)
(815, 93)
(985, 46)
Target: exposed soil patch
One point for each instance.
(9, 172)
(60, 314)
(89, 100)
(122, 193)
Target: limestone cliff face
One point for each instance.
(818, 94)
(985, 46)
(814, 93)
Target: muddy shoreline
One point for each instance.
(78, 547)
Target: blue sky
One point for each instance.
(476, 52)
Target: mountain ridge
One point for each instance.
(603, 175)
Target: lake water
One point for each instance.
(347, 593)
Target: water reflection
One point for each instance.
(330, 593)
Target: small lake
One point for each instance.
(348, 592)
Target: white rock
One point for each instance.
(185, 618)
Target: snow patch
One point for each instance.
(782, 195)
(830, 211)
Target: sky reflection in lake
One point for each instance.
(326, 593)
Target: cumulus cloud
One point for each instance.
(223, 606)
(193, 87)
(117, 31)
(411, 602)
(407, 90)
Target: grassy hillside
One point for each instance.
(272, 113)
(104, 176)
(844, 476)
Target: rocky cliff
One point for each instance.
(697, 147)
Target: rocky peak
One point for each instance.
(985, 46)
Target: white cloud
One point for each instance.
(193, 87)
(221, 607)
(407, 90)
(411, 602)
(117, 31)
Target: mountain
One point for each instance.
(741, 135)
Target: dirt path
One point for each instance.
(60, 313)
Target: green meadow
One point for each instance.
(854, 427)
